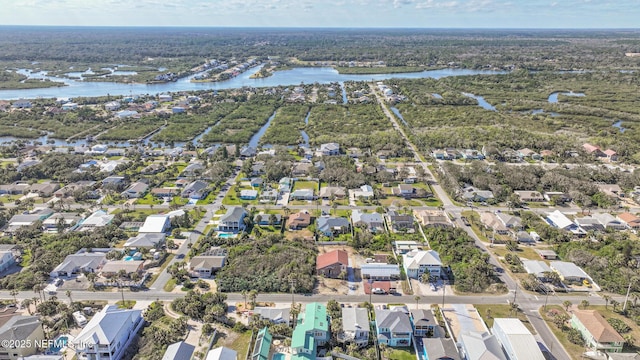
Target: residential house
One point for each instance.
(248, 194)
(192, 170)
(98, 219)
(611, 155)
(433, 218)
(28, 219)
(44, 189)
(537, 268)
(311, 331)
(21, 104)
(233, 220)
(262, 345)
(275, 315)
(112, 106)
(269, 195)
(523, 237)
(398, 221)
(206, 265)
(547, 254)
(404, 190)
(69, 190)
(529, 154)
(285, 185)
(509, 221)
(82, 261)
(630, 220)
(24, 333)
(418, 262)
(517, 341)
(371, 221)
(332, 226)
(560, 221)
(393, 328)
(302, 194)
(529, 196)
(256, 182)
(569, 271)
(593, 150)
(476, 345)
(164, 192)
(589, 223)
(364, 192)
(611, 189)
(404, 246)
(380, 271)
(471, 193)
(332, 264)
(263, 219)
(492, 223)
(146, 240)
(222, 353)
(156, 223)
(355, 326)
(179, 351)
(135, 190)
(440, 349)
(114, 182)
(7, 259)
(65, 219)
(301, 169)
(108, 334)
(257, 168)
(299, 220)
(598, 334)
(17, 188)
(248, 151)
(330, 149)
(609, 221)
(112, 268)
(329, 192)
(424, 323)
(196, 190)
(165, 97)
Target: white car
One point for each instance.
(378, 291)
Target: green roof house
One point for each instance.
(263, 344)
(311, 331)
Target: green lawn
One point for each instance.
(170, 285)
(575, 351)
(149, 200)
(313, 185)
(238, 342)
(402, 354)
(209, 199)
(501, 311)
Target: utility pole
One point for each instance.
(626, 298)
(370, 290)
(515, 293)
(292, 283)
(444, 287)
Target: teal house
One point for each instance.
(312, 331)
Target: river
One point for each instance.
(307, 75)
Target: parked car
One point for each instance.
(378, 291)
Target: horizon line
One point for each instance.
(316, 27)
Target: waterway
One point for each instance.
(307, 75)
(542, 112)
(553, 98)
(344, 93)
(618, 124)
(255, 139)
(481, 101)
(397, 112)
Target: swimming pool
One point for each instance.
(128, 258)
(59, 343)
(278, 356)
(226, 235)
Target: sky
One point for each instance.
(326, 13)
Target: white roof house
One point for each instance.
(569, 271)
(146, 240)
(222, 353)
(560, 221)
(380, 271)
(481, 346)
(99, 218)
(155, 224)
(417, 262)
(275, 315)
(517, 341)
(179, 351)
(365, 191)
(112, 329)
(609, 221)
(82, 261)
(536, 267)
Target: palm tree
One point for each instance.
(68, 293)
(26, 303)
(630, 340)
(606, 299)
(253, 294)
(614, 304)
(14, 293)
(567, 304)
(244, 294)
(584, 304)
(417, 299)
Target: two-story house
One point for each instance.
(393, 328)
(233, 220)
(598, 334)
(311, 331)
(108, 334)
(417, 262)
(355, 326)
